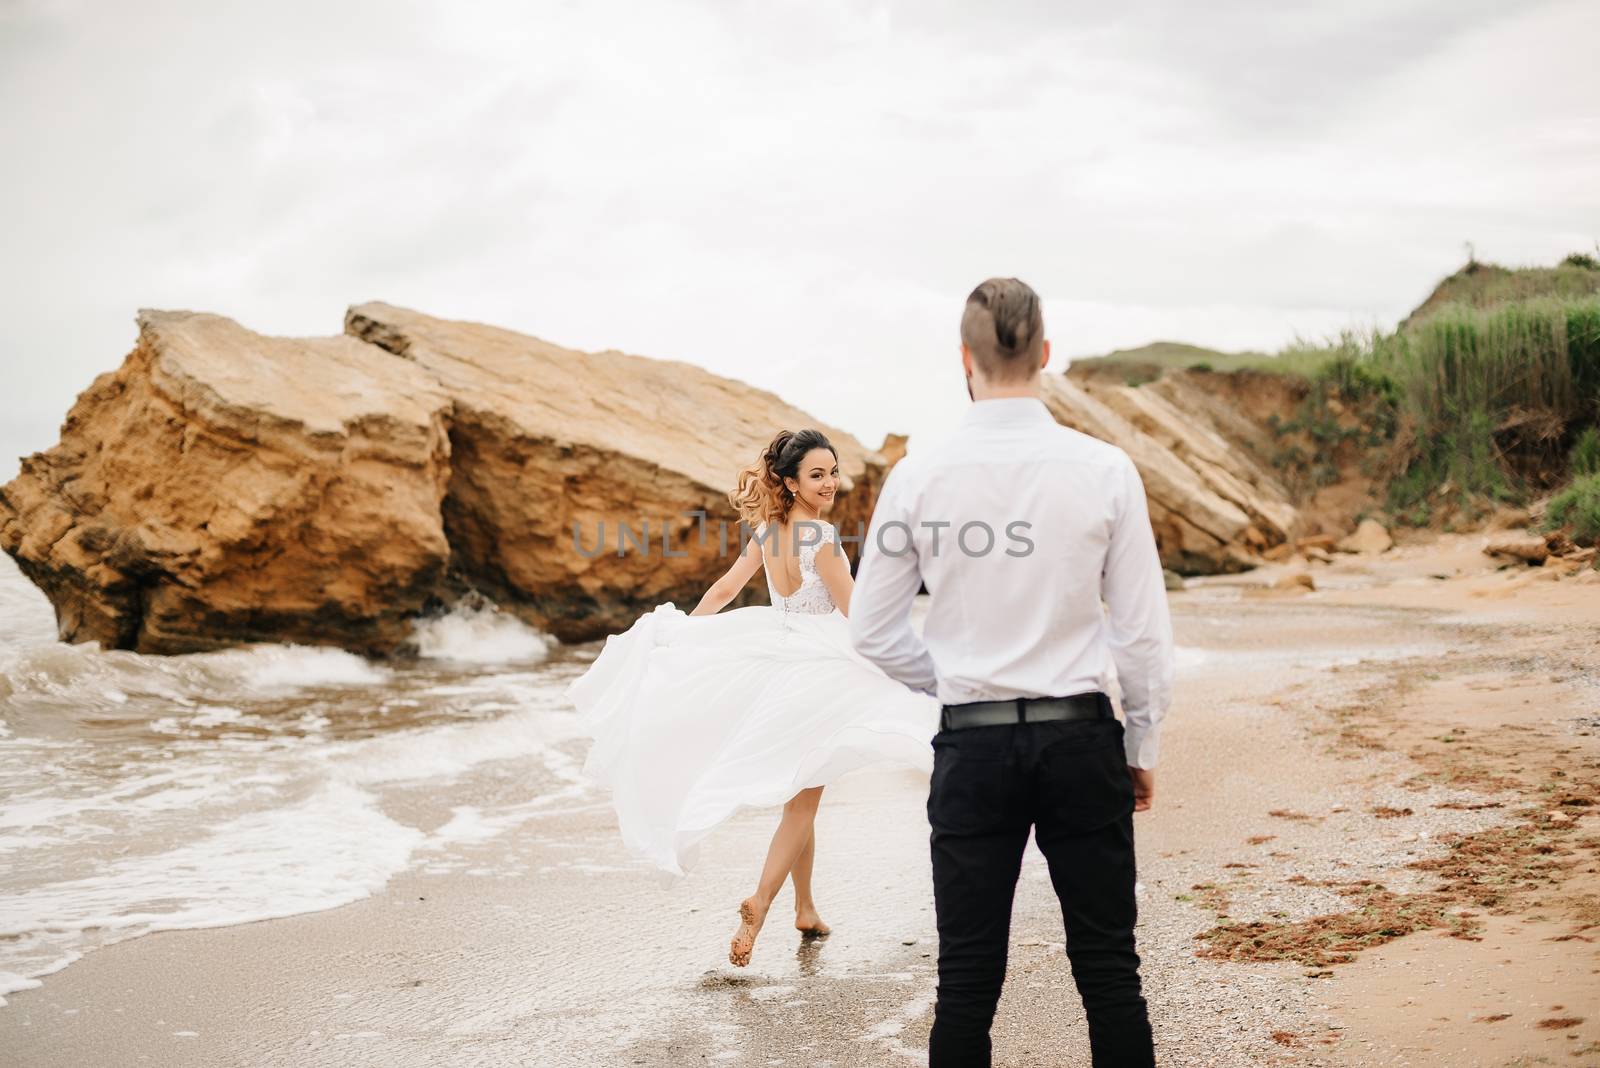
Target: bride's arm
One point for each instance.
(728, 586)
(833, 567)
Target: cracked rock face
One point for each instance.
(1213, 507)
(546, 440)
(224, 487)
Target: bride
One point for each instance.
(695, 715)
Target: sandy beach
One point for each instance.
(1372, 844)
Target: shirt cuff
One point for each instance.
(1142, 745)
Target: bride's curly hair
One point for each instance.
(760, 495)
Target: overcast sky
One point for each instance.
(796, 194)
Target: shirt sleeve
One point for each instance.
(886, 584)
(1139, 623)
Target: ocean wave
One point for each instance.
(25, 614)
(475, 631)
(333, 848)
(450, 751)
(168, 787)
(145, 793)
(87, 679)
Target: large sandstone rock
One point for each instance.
(1173, 414)
(1212, 510)
(547, 441)
(224, 487)
(221, 486)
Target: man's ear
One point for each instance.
(1045, 359)
(966, 359)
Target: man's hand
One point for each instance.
(1144, 787)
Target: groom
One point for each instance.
(1017, 649)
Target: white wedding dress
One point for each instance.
(695, 716)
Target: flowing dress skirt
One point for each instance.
(695, 716)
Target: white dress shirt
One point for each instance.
(1023, 619)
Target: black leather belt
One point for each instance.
(1091, 705)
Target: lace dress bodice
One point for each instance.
(812, 597)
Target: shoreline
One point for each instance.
(1302, 755)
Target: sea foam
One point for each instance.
(477, 632)
(330, 849)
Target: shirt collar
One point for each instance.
(1007, 411)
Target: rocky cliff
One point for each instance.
(223, 487)
(550, 447)
(1215, 507)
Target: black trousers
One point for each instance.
(1069, 781)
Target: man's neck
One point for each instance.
(1025, 389)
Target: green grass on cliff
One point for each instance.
(1149, 362)
(1486, 285)
(1577, 508)
(1585, 456)
(1496, 398)
(1490, 401)
(1488, 392)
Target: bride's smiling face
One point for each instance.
(816, 483)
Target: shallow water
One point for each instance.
(148, 793)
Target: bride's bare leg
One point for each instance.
(794, 831)
(806, 919)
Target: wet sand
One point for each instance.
(1320, 745)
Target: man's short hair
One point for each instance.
(1003, 328)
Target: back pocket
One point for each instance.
(971, 790)
(1081, 781)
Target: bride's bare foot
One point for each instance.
(751, 917)
(808, 923)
